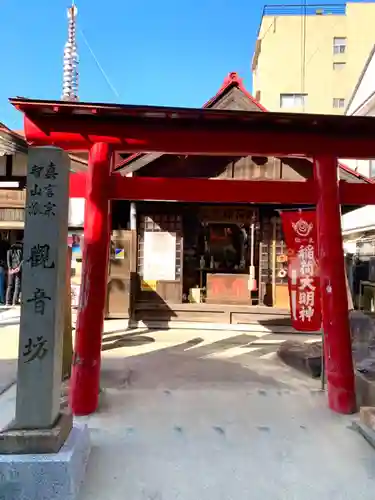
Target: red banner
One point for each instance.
(303, 275)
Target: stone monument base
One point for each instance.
(14, 440)
(53, 476)
(366, 424)
(365, 389)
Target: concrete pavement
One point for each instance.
(225, 444)
(187, 416)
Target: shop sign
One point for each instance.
(119, 254)
(75, 241)
(303, 275)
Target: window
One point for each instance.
(371, 169)
(339, 45)
(338, 66)
(338, 103)
(292, 100)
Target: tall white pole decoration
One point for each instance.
(70, 79)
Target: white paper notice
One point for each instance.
(159, 256)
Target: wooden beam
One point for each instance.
(353, 193)
(233, 191)
(192, 190)
(201, 138)
(211, 191)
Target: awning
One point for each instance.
(358, 221)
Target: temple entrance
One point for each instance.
(213, 263)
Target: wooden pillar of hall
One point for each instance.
(85, 379)
(336, 326)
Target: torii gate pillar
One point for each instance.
(337, 338)
(85, 380)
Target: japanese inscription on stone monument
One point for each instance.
(43, 288)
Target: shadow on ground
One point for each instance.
(191, 363)
(275, 324)
(124, 340)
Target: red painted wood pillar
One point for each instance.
(337, 338)
(85, 378)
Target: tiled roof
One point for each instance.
(232, 80)
(11, 142)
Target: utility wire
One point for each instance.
(101, 69)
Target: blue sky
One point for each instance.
(160, 52)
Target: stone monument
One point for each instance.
(41, 441)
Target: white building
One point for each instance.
(358, 226)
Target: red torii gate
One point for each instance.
(105, 128)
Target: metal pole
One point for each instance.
(252, 233)
(323, 369)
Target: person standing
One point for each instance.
(14, 262)
(4, 247)
(2, 281)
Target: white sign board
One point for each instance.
(76, 212)
(159, 256)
